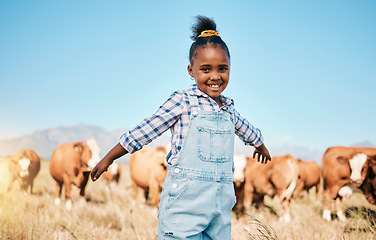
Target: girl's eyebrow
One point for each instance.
(208, 65)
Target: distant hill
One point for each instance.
(43, 142)
(303, 153)
(364, 144)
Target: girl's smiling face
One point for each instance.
(211, 70)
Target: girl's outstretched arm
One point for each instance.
(262, 152)
(114, 153)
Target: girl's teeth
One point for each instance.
(213, 85)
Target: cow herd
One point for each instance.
(343, 171)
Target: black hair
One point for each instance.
(204, 23)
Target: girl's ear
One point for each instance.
(190, 70)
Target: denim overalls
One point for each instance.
(198, 192)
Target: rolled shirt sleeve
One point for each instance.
(152, 127)
(246, 131)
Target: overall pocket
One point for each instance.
(176, 190)
(215, 145)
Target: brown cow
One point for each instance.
(309, 176)
(343, 170)
(368, 186)
(277, 178)
(24, 167)
(240, 163)
(113, 173)
(71, 163)
(148, 171)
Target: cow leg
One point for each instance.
(134, 190)
(59, 186)
(134, 193)
(31, 186)
(146, 195)
(239, 207)
(67, 185)
(248, 195)
(299, 189)
(117, 178)
(286, 211)
(76, 177)
(259, 202)
(318, 190)
(154, 191)
(330, 194)
(84, 183)
(339, 209)
(11, 181)
(328, 200)
(24, 185)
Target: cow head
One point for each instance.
(24, 163)
(240, 163)
(358, 168)
(95, 150)
(89, 151)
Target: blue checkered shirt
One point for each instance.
(175, 115)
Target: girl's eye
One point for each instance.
(205, 69)
(222, 69)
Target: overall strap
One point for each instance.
(193, 102)
(230, 110)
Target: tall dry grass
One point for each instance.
(110, 214)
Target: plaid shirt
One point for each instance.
(175, 115)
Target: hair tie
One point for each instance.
(208, 33)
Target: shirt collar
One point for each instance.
(194, 90)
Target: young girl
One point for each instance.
(198, 192)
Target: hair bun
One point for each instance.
(205, 33)
(202, 24)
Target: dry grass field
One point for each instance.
(109, 214)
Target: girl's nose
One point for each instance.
(215, 76)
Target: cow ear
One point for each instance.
(372, 159)
(78, 147)
(342, 159)
(354, 154)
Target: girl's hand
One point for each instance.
(102, 166)
(263, 155)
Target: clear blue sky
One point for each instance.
(304, 72)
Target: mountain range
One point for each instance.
(43, 142)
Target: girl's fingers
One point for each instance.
(260, 158)
(94, 174)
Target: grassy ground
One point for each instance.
(110, 214)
